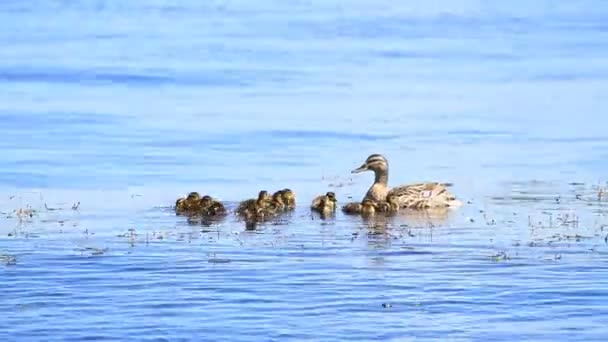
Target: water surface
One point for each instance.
(124, 107)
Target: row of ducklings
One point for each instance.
(327, 204)
(266, 205)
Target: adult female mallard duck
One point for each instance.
(415, 196)
(324, 204)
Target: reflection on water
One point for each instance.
(104, 126)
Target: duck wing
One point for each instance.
(424, 195)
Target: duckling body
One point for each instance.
(216, 209)
(277, 203)
(189, 204)
(391, 205)
(325, 203)
(368, 207)
(263, 201)
(211, 207)
(384, 207)
(205, 202)
(352, 208)
(415, 196)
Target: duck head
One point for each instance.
(375, 162)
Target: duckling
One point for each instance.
(193, 201)
(289, 199)
(180, 205)
(352, 208)
(216, 208)
(368, 207)
(263, 200)
(278, 204)
(205, 202)
(391, 205)
(325, 203)
(253, 216)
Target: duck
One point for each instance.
(325, 203)
(263, 201)
(414, 196)
(289, 199)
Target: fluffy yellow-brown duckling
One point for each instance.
(216, 208)
(325, 203)
(180, 205)
(193, 201)
(263, 201)
(278, 203)
(352, 208)
(289, 198)
(391, 205)
(205, 202)
(368, 207)
(253, 216)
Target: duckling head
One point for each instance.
(331, 196)
(193, 196)
(289, 197)
(375, 162)
(180, 204)
(206, 201)
(264, 196)
(277, 198)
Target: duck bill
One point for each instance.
(360, 169)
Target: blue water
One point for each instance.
(125, 106)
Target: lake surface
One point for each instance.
(123, 107)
